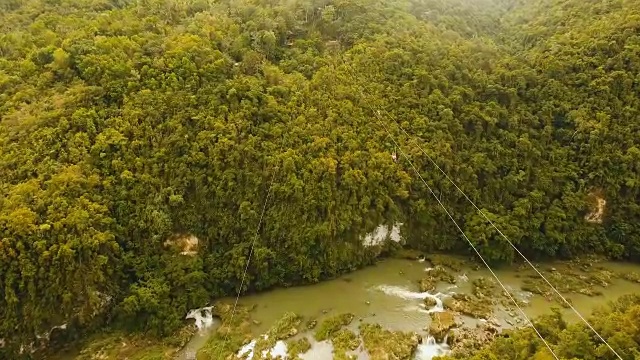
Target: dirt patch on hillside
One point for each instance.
(187, 244)
(598, 206)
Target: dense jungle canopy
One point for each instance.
(125, 124)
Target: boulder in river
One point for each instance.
(468, 305)
(311, 324)
(385, 344)
(577, 276)
(344, 340)
(286, 327)
(483, 287)
(296, 347)
(430, 302)
(434, 276)
(331, 325)
(464, 342)
(631, 276)
(441, 323)
(427, 284)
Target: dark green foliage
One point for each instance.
(616, 322)
(123, 124)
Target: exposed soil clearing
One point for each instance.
(187, 243)
(596, 216)
(383, 233)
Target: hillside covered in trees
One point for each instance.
(125, 125)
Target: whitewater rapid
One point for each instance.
(203, 317)
(429, 348)
(279, 349)
(413, 295)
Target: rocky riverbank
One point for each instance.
(414, 308)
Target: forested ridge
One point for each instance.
(124, 124)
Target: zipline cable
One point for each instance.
(253, 242)
(503, 235)
(495, 276)
(466, 238)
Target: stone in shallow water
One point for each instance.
(286, 327)
(430, 302)
(385, 344)
(311, 324)
(465, 342)
(441, 323)
(331, 325)
(434, 276)
(344, 340)
(427, 284)
(578, 276)
(297, 347)
(483, 287)
(631, 276)
(468, 305)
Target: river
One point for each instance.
(387, 294)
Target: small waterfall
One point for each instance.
(438, 307)
(412, 295)
(247, 350)
(430, 349)
(206, 324)
(279, 349)
(202, 316)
